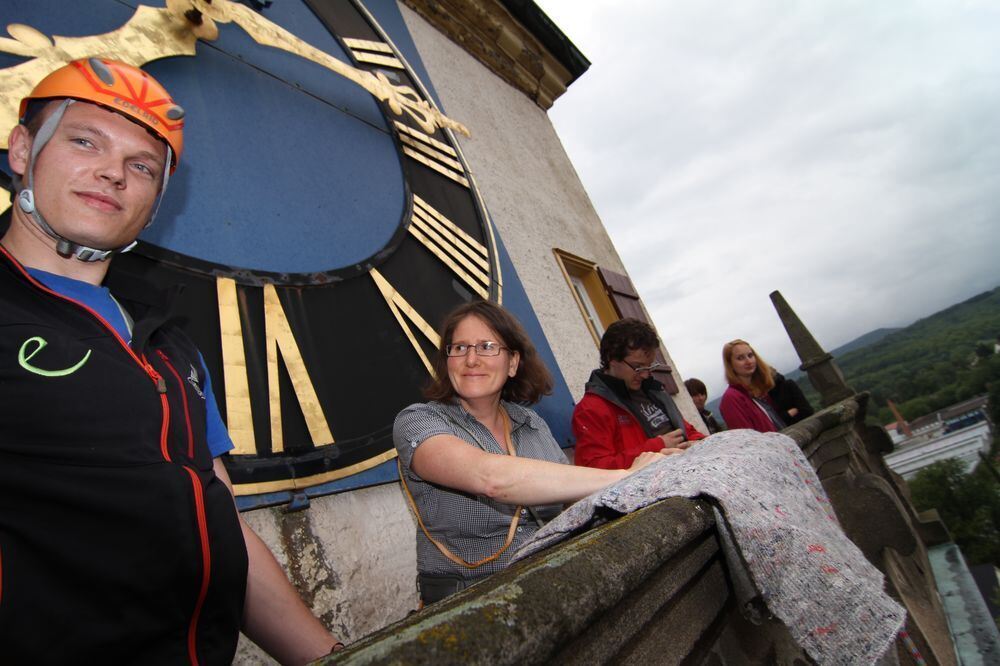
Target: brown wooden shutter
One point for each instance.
(626, 301)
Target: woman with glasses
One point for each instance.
(481, 471)
(746, 403)
(625, 411)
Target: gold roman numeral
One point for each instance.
(462, 253)
(365, 50)
(278, 335)
(239, 415)
(431, 153)
(405, 315)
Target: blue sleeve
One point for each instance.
(216, 434)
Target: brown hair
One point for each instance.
(624, 336)
(695, 386)
(532, 380)
(762, 379)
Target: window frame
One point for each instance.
(587, 272)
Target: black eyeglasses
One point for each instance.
(484, 348)
(645, 368)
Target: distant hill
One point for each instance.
(868, 338)
(932, 363)
(937, 361)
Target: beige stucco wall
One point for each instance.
(352, 557)
(533, 194)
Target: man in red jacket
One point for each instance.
(625, 411)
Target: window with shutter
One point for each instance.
(588, 291)
(603, 297)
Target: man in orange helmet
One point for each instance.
(118, 530)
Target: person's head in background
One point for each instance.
(699, 394)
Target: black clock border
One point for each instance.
(299, 460)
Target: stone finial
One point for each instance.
(824, 374)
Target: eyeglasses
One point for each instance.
(484, 348)
(645, 368)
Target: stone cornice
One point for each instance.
(492, 35)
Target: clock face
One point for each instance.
(320, 239)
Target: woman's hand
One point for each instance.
(645, 458)
(794, 411)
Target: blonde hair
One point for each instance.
(762, 379)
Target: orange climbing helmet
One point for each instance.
(119, 87)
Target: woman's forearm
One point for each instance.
(448, 461)
(528, 481)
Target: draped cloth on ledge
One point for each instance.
(805, 569)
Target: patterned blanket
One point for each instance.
(808, 573)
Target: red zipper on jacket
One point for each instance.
(165, 423)
(206, 565)
(161, 389)
(199, 505)
(199, 500)
(184, 401)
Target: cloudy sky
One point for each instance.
(844, 152)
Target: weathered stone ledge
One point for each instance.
(587, 598)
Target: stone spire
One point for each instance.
(824, 374)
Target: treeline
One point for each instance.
(968, 503)
(933, 363)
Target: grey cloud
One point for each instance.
(846, 153)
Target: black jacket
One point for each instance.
(710, 422)
(118, 544)
(786, 395)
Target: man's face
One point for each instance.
(625, 368)
(699, 400)
(97, 178)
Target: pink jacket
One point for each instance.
(740, 411)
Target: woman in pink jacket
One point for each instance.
(746, 404)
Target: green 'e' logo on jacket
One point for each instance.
(24, 355)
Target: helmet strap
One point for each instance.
(163, 189)
(26, 196)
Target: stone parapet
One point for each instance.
(653, 587)
(650, 587)
(873, 506)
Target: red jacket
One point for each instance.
(609, 436)
(740, 411)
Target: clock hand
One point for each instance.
(263, 31)
(153, 33)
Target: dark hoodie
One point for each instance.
(786, 395)
(118, 544)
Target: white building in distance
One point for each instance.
(960, 431)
